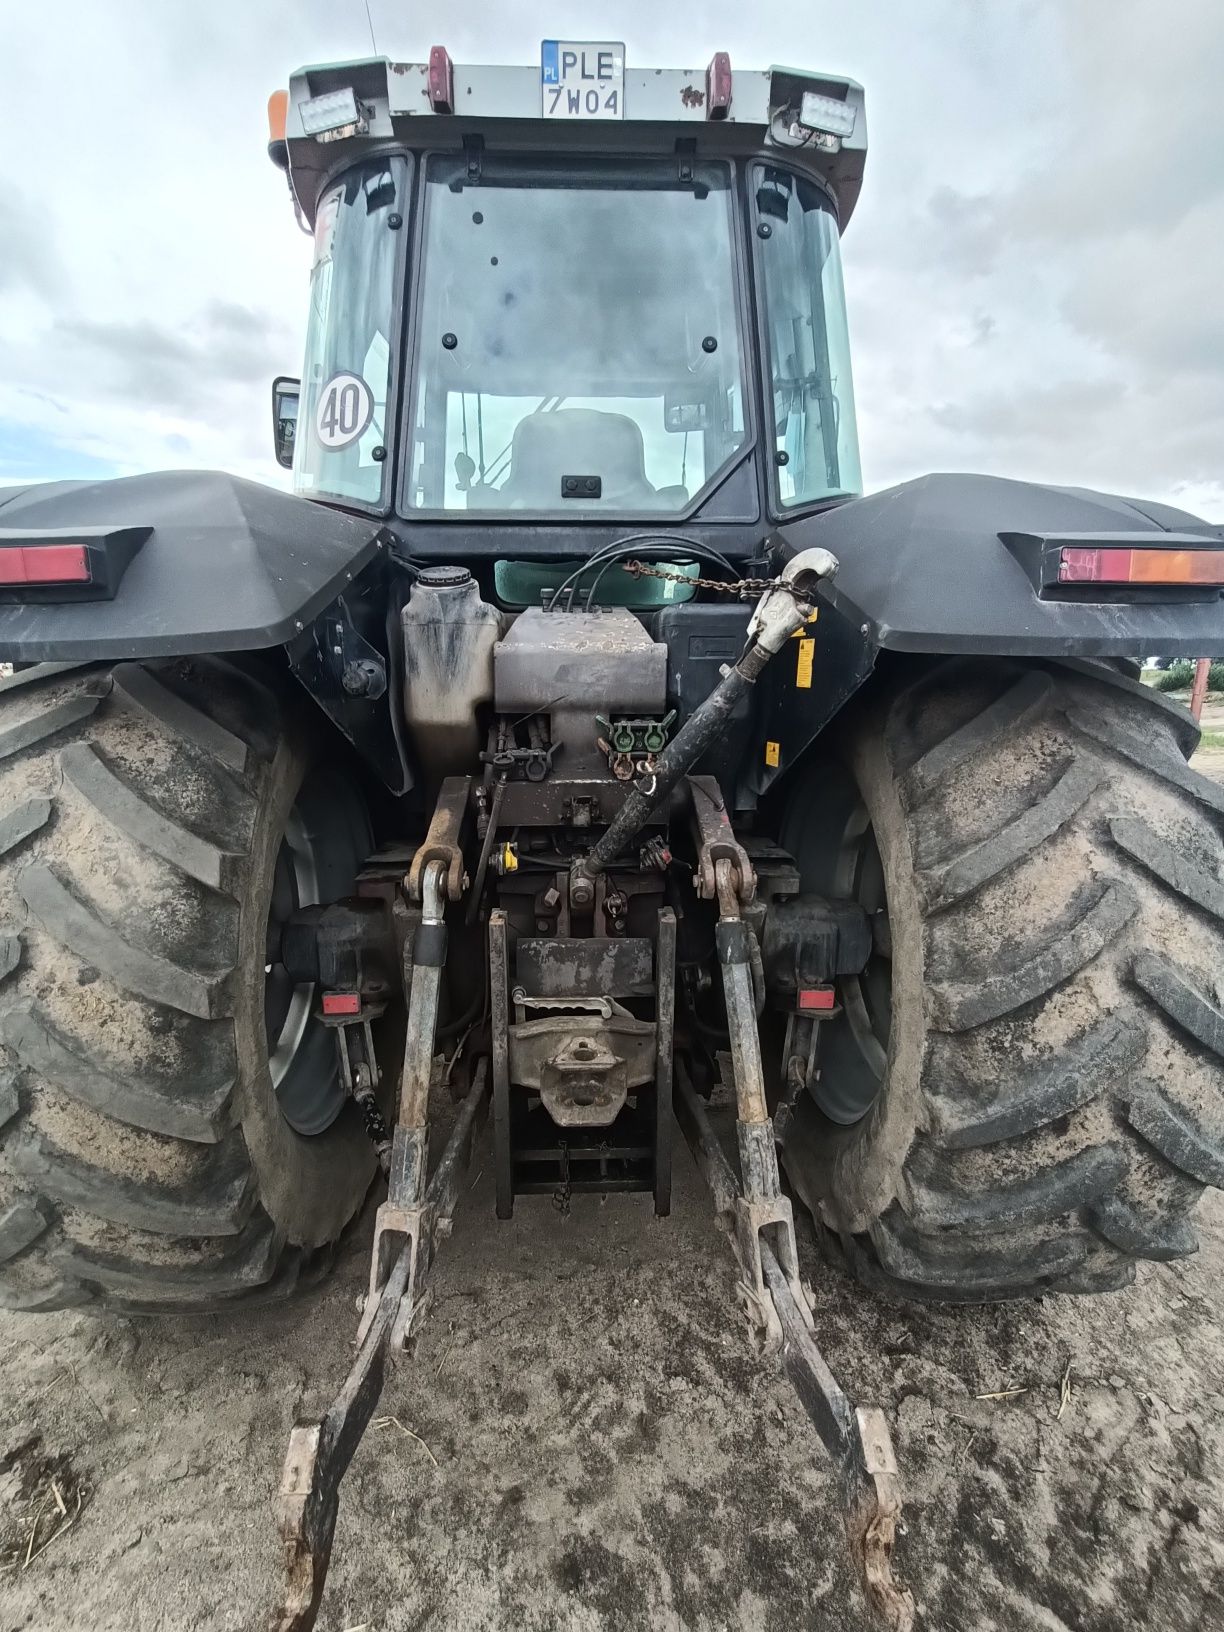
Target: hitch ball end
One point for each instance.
(786, 605)
(805, 570)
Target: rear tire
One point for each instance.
(1052, 1098)
(145, 1163)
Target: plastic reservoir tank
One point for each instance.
(449, 634)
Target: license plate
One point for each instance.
(582, 79)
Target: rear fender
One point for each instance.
(944, 564)
(224, 565)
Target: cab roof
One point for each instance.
(439, 104)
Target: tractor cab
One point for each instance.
(582, 293)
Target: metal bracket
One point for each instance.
(605, 1006)
(441, 841)
(799, 1051)
(760, 1226)
(716, 841)
(399, 1232)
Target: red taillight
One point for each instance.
(718, 86)
(45, 564)
(812, 999)
(1081, 564)
(335, 1003)
(441, 80)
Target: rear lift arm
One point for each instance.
(320, 1452)
(759, 1222)
(408, 1227)
(856, 1438)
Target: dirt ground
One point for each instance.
(585, 1440)
(597, 1447)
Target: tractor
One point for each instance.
(577, 748)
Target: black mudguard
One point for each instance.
(948, 564)
(224, 565)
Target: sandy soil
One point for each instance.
(610, 1454)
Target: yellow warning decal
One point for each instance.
(803, 669)
(773, 754)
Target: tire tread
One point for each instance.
(126, 810)
(156, 1052)
(134, 969)
(1058, 1139)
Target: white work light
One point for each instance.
(334, 110)
(826, 113)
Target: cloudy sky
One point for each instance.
(1034, 271)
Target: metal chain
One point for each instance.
(561, 1195)
(377, 1131)
(741, 586)
(360, 1078)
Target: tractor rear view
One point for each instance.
(576, 748)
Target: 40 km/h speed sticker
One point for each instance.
(345, 409)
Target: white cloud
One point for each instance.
(1049, 280)
(1032, 271)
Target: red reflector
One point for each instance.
(44, 564)
(1084, 565)
(441, 80)
(718, 86)
(341, 1002)
(817, 997)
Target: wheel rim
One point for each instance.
(866, 998)
(324, 843)
(835, 846)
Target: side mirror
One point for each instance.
(285, 392)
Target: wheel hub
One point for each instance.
(837, 855)
(324, 843)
